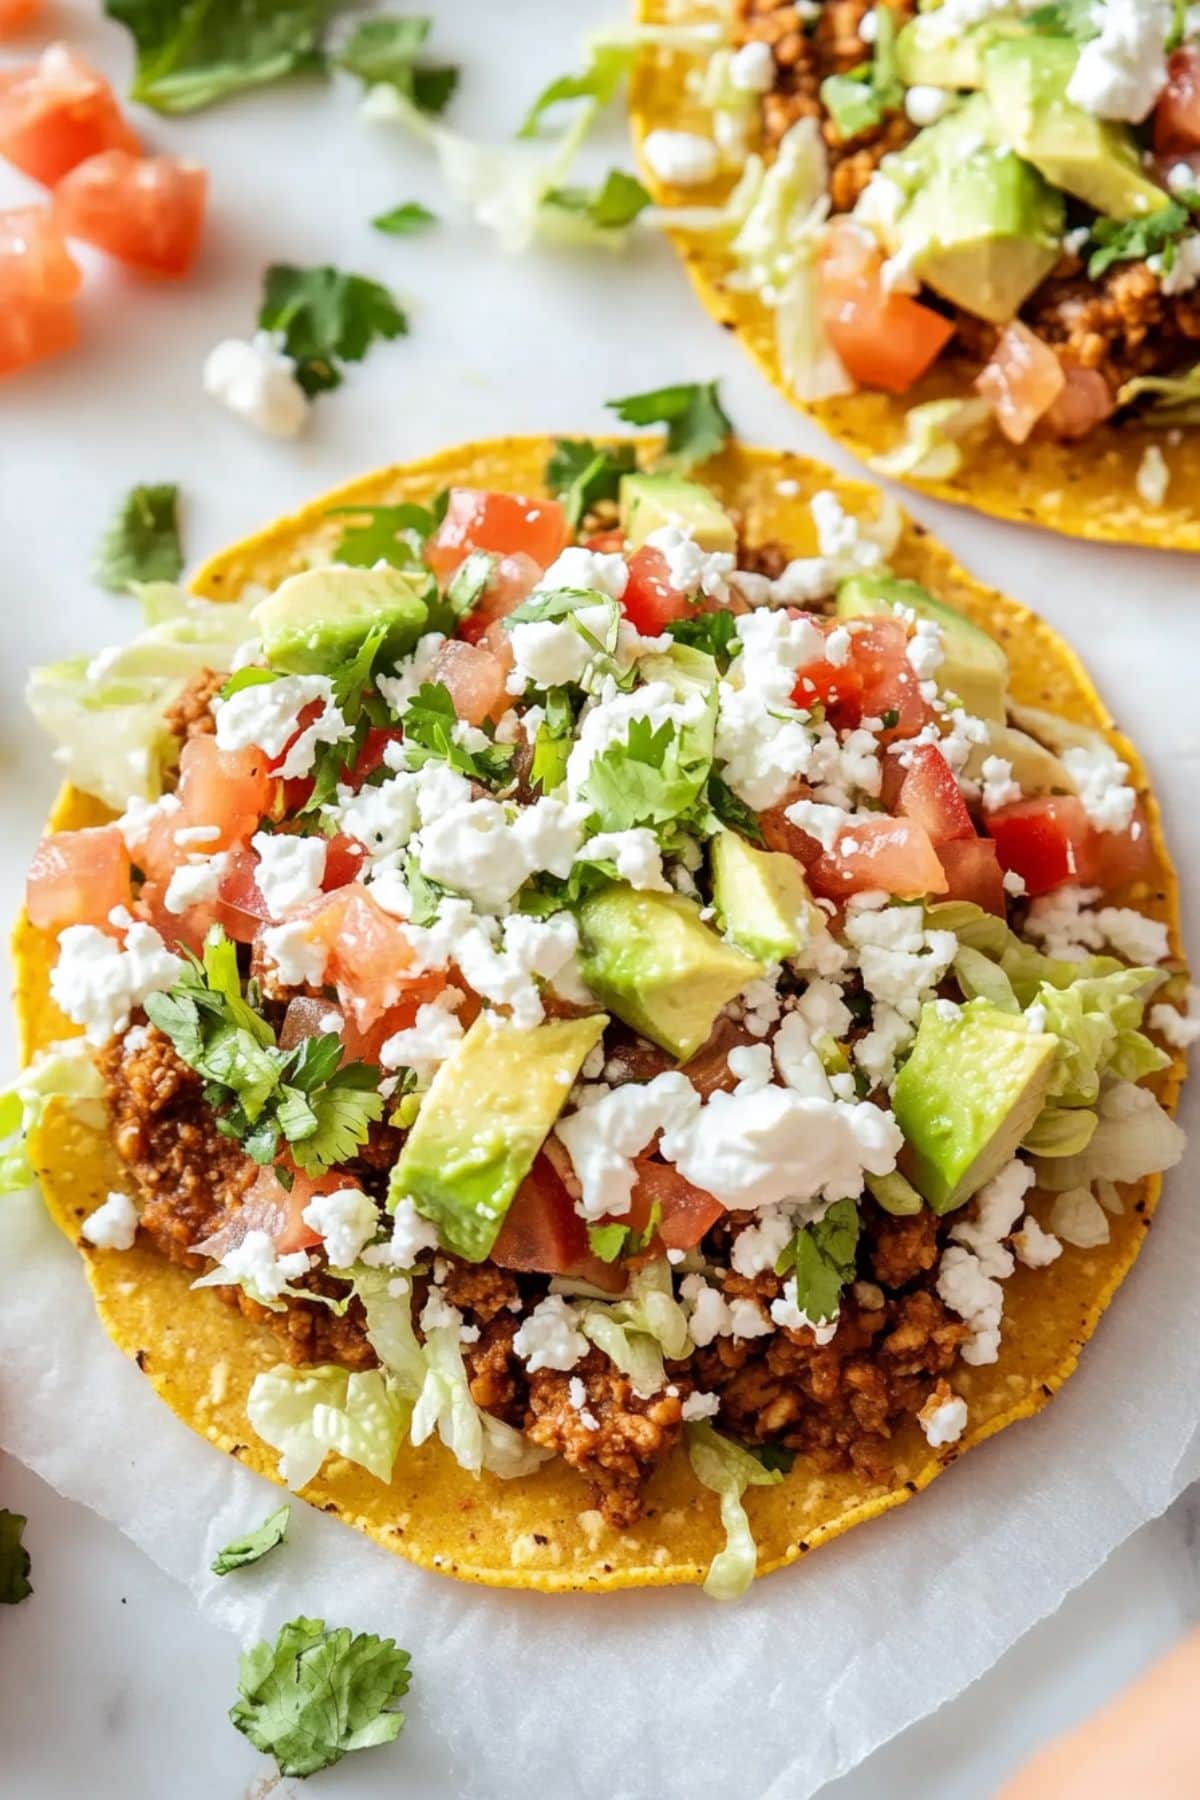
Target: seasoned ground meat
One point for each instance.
(614, 1438)
(1121, 324)
(900, 1250)
(189, 715)
(480, 1290)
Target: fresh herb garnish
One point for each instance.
(697, 426)
(385, 53)
(582, 473)
(361, 708)
(553, 743)
(1132, 240)
(713, 632)
(14, 1559)
(732, 810)
(391, 534)
(823, 1256)
(1065, 18)
(772, 1456)
(191, 53)
(653, 777)
(425, 896)
(255, 1544)
(326, 318)
(403, 221)
(598, 83)
(142, 542)
(612, 206)
(313, 1695)
(568, 604)
(323, 1109)
(432, 730)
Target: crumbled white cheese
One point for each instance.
(789, 1315)
(424, 1045)
(1153, 475)
(113, 1225)
(707, 1309)
(973, 1266)
(760, 1003)
(825, 823)
(1123, 69)
(1067, 927)
(681, 158)
(297, 959)
(140, 816)
(901, 964)
(634, 854)
(1036, 1248)
(290, 869)
(1099, 778)
(611, 1127)
(257, 381)
(824, 1012)
(266, 715)
(197, 879)
(943, 1420)
(347, 1219)
(255, 1265)
(699, 1405)
(548, 1339)
(752, 68)
(689, 568)
(1078, 1218)
(758, 1247)
(999, 788)
(926, 105)
(604, 572)
(1180, 1029)
(411, 673)
(98, 982)
(412, 1236)
(746, 1320)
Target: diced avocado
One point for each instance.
(1096, 159)
(927, 57)
(983, 233)
(971, 1089)
(762, 899)
(649, 502)
(975, 667)
(651, 960)
(492, 1104)
(318, 619)
(1034, 768)
(943, 145)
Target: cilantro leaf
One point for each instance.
(404, 220)
(715, 633)
(697, 426)
(327, 318)
(391, 534)
(612, 206)
(1131, 240)
(582, 473)
(384, 52)
(552, 745)
(14, 1559)
(598, 83)
(823, 1256)
(142, 542)
(1065, 18)
(733, 811)
(255, 1544)
(568, 604)
(345, 1109)
(313, 1695)
(191, 53)
(432, 729)
(651, 778)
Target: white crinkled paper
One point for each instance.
(623, 1695)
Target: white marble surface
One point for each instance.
(108, 1664)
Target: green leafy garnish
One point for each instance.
(599, 82)
(582, 474)
(430, 732)
(823, 1258)
(142, 542)
(773, 1456)
(656, 775)
(255, 1544)
(1132, 240)
(327, 318)
(613, 1240)
(384, 53)
(361, 708)
(554, 740)
(612, 206)
(697, 426)
(313, 1695)
(714, 632)
(1065, 18)
(14, 1559)
(323, 1109)
(568, 604)
(191, 53)
(731, 810)
(861, 98)
(402, 221)
(391, 534)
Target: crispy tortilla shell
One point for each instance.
(542, 1532)
(1086, 489)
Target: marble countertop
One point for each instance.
(109, 1662)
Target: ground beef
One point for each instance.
(189, 715)
(900, 1250)
(480, 1290)
(1121, 324)
(614, 1438)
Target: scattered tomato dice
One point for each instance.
(144, 210)
(57, 112)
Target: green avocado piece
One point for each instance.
(1098, 160)
(649, 502)
(927, 57)
(489, 1110)
(984, 232)
(318, 619)
(942, 145)
(762, 899)
(1034, 768)
(969, 1092)
(650, 959)
(975, 667)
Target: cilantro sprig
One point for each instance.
(432, 732)
(327, 318)
(255, 1544)
(655, 777)
(191, 53)
(142, 540)
(1132, 240)
(385, 52)
(697, 424)
(391, 534)
(823, 1259)
(611, 206)
(314, 1695)
(263, 1096)
(404, 220)
(582, 473)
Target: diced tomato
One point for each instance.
(35, 263)
(77, 878)
(187, 929)
(542, 1232)
(144, 210)
(650, 601)
(239, 907)
(344, 858)
(371, 755)
(512, 580)
(1115, 858)
(503, 524)
(973, 872)
(475, 676)
(228, 791)
(927, 792)
(1177, 115)
(780, 834)
(885, 339)
(31, 330)
(310, 1015)
(709, 1069)
(269, 1206)
(1022, 381)
(308, 715)
(891, 689)
(609, 543)
(367, 953)
(894, 855)
(57, 112)
(1086, 400)
(15, 13)
(687, 1212)
(1044, 840)
(837, 689)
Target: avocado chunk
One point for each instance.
(943, 145)
(1096, 159)
(648, 502)
(975, 667)
(1034, 768)
(653, 962)
(969, 1092)
(762, 899)
(983, 232)
(490, 1108)
(319, 619)
(926, 56)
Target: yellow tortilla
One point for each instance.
(1086, 489)
(541, 1532)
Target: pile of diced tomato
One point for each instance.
(61, 125)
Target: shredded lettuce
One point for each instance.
(1171, 399)
(1096, 1019)
(473, 1437)
(728, 1470)
(982, 979)
(105, 713)
(1061, 1131)
(931, 448)
(638, 1331)
(1134, 1138)
(64, 1070)
(306, 1413)
(974, 928)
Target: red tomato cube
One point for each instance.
(77, 878)
(503, 524)
(56, 113)
(144, 210)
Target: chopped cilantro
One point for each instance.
(142, 542)
(1131, 240)
(191, 53)
(467, 585)
(314, 1694)
(697, 426)
(568, 604)
(598, 83)
(582, 473)
(384, 52)
(255, 1544)
(322, 1108)
(890, 718)
(402, 221)
(326, 318)
(1065, 18)
(552, 745)
(425, 896)
(432, 729)
(823, 1256)
(14, 1559)
(391, 534)
(656, 775)
(715, 633)
(612, 206)
(732, 811)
